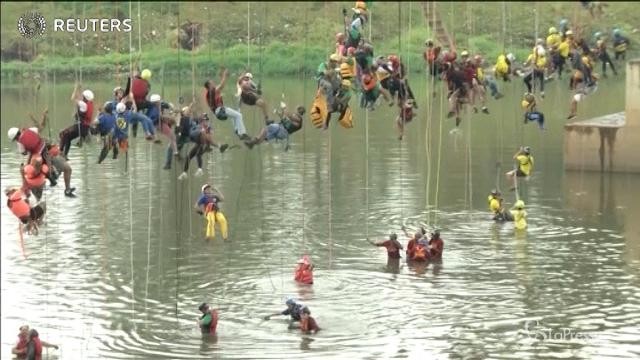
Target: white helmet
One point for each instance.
(120, 108)
(82, 106)
(249, 75)
(155, 98)
(511, 57)
(541, 51)
(88, 94)
(12, 133)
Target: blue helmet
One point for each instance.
(616, 31)
(290, 302)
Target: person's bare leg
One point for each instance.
(263, 105)
(67, 176)
(400, 127)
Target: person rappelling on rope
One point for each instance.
(30, 215)
(120, 140)
(30, 143)
(83, 118)
(503, 67)
(182, 132)
(213, 98)
(34, 176)
(289, 124)
(328, 77)
(405, 116)
(340, 105)
(519, 215)
(579, 84)
(208, 205)
(432, 57)
(392, 245)
(341, 44)
(473, 84)
(294, 309)
(201, 134)
(458, 94)
(399, 74)
(251, 94)
(495, 206)
(156, 112)
(139, 88)
(303, 272)
(355, 25)
(106, 123)
(524, 167)
(603, 54)
(620, 45)
(208, 321)
(537, 60)
(532, 114)
(485, 79)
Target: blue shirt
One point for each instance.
(120, 130)
(106, 123)
(205, 200)
(295, 312)
(153, 113)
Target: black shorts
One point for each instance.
(519, 173)
(37, 212)
(248, 98)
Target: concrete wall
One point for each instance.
(599, 145)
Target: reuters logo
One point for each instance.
(32, 25)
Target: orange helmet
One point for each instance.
(361, 5)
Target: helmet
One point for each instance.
(205, 187)
(428, 42)
(12, 133)
(361, 5)
(155, 98)
(121, 107)
(346, 83)
(248, 75)
(564, 22)
(519, 204)
(339, 36)
(88, 94)
(495, 192)
(290, 302)
(552, 30)
(393, 236)
(464, 53)
(477, 58)
(118, 88)
(436, 233)
(541, 51)
(146, 74)
(511, 57)
(616, 31)
(597, 35)
(203, 307)
(568, 33)
(527, 150)
(334, 57)
(394, 59)
(108, 107)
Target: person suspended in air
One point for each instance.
(399, 73)
(208, 205)
(580, 85)
(83, 117)
(485, 80)
(340, 105)
(524, 167)
(213, 98)
(603, 54)
(280, 131)
(371, 91)
(355, 25)
(564, 50)
(160, 113)
(328, 77)
(564, 27)
(138, 87)
(30, 143)
(537, 61)
(294, 310)
(182, 132)
(34, 176)
(503, 67)
(303, 272)
(436, 245)
(208, 321)
(495, 206)
(582, 70)
(105, 123)
(120, 138)
(251, 94)
(519, 215)
(392, 245)
(201, 135)
(471, 83)
(404, 117)
(620, 45)
(341, 44)
(308, 324)
(529, 105)
(458, 93)
(432, 57)
(363, 56)
(29, 215)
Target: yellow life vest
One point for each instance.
(347, 119)
(346, 71)
(319, 110)
(553, 40)
(564, 48)
(501, 65)
(519, 218)
(525, 163)
(494, 204)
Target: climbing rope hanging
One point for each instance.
(133, 297)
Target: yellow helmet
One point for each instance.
(335, 57)
(524, 104)
(146, 74)
(346, 83)
(361, 5)
(464, 53)
(519, 204)
(552, 30)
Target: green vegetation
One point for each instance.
(285, 38)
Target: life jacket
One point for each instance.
(140, 89)
(319, 110)
(346, 71)
(346, 120)
(431, 55)
(406, 113)
(54, 150)
(31, 141)
(18, 206)
(368, 82)
(38, 347)
(211, 328)
(420, 253)
(214, 100)
(35, 180)
(211, 206)
(304, 274)
(85, 118)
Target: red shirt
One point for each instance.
(393, 250)
(140, 89)
(411, 246)
(31, 141)
(22, 346)
(308, 324)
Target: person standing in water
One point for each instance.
(519, 215)
(294, 309)
(208, 321)
(392, 245)
(308, 324)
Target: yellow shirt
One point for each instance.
(553, 40)
(480, 75)
(525, 163)
(494, 204)
(501, 65)
(540, 61)
(564, 48)
(519, 218)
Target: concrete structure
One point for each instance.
(610, 142)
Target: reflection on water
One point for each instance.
(119, 271)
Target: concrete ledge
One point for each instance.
(616, 120)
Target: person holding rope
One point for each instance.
(213, 98)
(29, 215)
(525, 165)
(208, 205)
(251, 94)
(201, 134)
(289, 124)
(83, 119)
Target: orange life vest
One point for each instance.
(420, 253)
(18, 206)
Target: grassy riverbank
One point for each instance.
(285, 38)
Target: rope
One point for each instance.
(248, 35)
(131, 205)
(304, 141)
